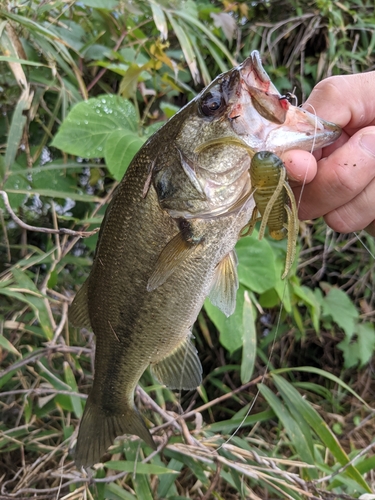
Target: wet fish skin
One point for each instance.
(167, 242)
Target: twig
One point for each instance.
(344, 467)
(23, 225)
(104, 70)
(214, 482)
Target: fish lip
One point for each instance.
(302, 130)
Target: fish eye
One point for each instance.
(211, 103)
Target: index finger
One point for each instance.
(345, 100)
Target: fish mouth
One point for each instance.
(266, 120)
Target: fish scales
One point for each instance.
(167, 242)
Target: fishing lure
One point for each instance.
(274, 202)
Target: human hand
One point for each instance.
(340, 179)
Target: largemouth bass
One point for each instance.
(167, 242)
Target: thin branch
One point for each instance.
(23, 225)
(344, 467)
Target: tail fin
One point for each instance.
(98, 431)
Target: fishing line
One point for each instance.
(282, 298)
(311, 151)
(364, 244)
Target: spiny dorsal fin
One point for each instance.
(79, 311)
(174, 253)
(181, 369)
(225, 284)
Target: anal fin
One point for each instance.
(79, 312)
(173, 254)
(225, 284)
(181, 369)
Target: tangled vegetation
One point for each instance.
(286, 408)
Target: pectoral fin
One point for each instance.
(181, 369)
(79, 311)
(176, 251)
(225, 284)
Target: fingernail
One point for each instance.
(367, 142)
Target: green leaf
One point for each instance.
(100, 4)
(231, 329)
(159, 20)
(71, 381)
(133, 75)
(256, 268)
(87, 127)
(5, 344)
(51, 193)
(342, 310)
(310, 301)
(113, 491)
(359, 348)
(16, 187)
(296, 402)
(249, 349)
(226, 426)
(138, 467)
(120, 148)
(301, 441)
(323, 373)
(21, 61)
(169, 109)
(16, 128)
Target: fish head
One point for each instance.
(215, 136)
(244, 103)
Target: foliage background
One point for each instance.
(298, 378)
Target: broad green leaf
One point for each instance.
(256, 268)
(85, 130)
(296, 402)
(138, 467)
(52, 180)
(360, 347)
(249, 348)
(119, 150)
(309, 299)
(342, 310)
(16, 188)
(231, 333)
